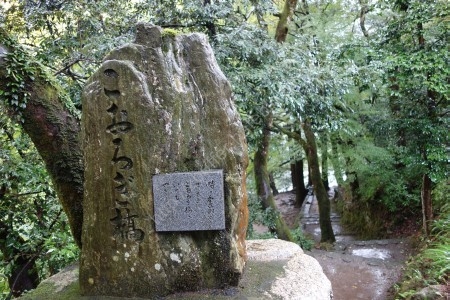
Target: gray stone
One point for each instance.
(156, 106)
(189, 201)
(432, 292)
(148, 35)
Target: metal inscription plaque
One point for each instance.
(189, 201)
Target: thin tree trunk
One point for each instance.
(324, 148)
(310, 148)
(262, 181)
(298, 182)
(294, 175)
(327, 234)
(362, 17)
(335, 161)
(284, 18)
(273, 185)
(210, 26)
(261, 154)
(427, 207)
(352, 176)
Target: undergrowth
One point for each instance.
(267, 218)
(432, 265)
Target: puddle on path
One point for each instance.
(356, 269)
(372, 253)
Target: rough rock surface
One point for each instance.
(275, 269)
(432, 292)
(302, 278)
(159, 105)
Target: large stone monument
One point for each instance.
(165, 207)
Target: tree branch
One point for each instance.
(362, 17)
(68, 66)
(290, 134)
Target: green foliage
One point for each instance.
(415, 49)
(303, 241)
(32, 223)
(383, 98)
(398, 128)
(71, 38)
(268, 218)
(432, 265)
(17, 71)
(259, 216)
(440, 195)
(379, 180)
(4, 287)
(282, 78)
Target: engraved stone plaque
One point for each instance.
(189, 201)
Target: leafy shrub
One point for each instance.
(267, 218)
(432, 265)
(301, 239)
(34, 229)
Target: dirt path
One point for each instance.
(356, 269)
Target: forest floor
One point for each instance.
(357, 269)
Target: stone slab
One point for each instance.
(189, 201)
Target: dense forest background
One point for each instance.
(331, 92)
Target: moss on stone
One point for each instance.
(47, 290)
(169, 32)
(257, 278)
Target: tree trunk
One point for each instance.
(262, 152)
(310, 148)
(210, 26)
(324, 148)
(272, 184)
(427, 208)
(54, 130)
(335, 161)
(326, 229)
(284, 18)
(263, 183)
(352, 176)
(298, 182)
(362, 17)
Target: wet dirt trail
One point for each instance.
(357, 269)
